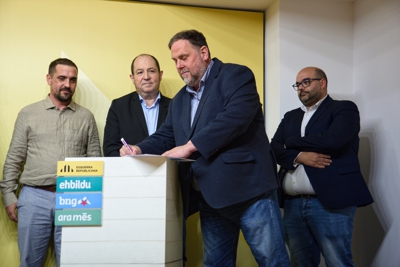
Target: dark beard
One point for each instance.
(62, 98)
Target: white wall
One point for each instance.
(377, 90)
(315, 33)
(357, 44)
(272, 70)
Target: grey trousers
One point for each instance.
(36, 208)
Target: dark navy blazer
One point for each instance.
(332, 130)
(234, 161)
(126, 119)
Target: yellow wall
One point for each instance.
(272, 97)
(102, 37)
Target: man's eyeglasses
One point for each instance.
(305, 82)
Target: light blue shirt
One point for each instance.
(151, 113)
(195, 96)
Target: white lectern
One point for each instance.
(142, 217)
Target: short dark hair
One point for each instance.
(194, 37)
(321, 74)
(133, 61)
(60, 61)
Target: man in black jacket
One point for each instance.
(316, 146)
(137, 115)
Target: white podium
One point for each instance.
(141, 217)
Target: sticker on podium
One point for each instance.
(77, 217)
(79, 201)
(79, 184)
(80, 168)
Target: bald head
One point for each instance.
(317, 73)
(312, 87)
(146, 76)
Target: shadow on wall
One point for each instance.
(368, 232)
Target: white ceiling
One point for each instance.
(257, 5)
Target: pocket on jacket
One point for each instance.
(348, 169)
(237, 157)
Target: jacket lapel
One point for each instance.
(186, 108)
(328, 100)
(207, 90)
(162, 111)
(138, 112)
(297, 120)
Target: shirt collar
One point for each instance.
(49, 104)
(203, 80)
(314, 107)
(155, 102)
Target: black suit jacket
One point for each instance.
(332, 130)
(234, 161)
(126, 119)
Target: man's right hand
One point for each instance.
(313, 159)
(124, 151)
(11, 212)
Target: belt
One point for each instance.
(302, 196)
(51, 188)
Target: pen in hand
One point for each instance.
(126, 144)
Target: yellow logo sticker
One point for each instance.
(80, 168)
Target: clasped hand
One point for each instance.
(313, 159)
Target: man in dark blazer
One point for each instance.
(137, 115)
(216, 119)
(317, 148)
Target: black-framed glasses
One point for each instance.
(305, 82)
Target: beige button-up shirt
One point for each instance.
(43, 135)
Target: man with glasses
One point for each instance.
(316, 146)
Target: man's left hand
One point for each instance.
(181, 151)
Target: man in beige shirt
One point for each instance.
(45, 132)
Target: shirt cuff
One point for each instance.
(295, 164)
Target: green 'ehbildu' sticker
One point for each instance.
(79, 184)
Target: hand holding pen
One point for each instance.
(126, 144)
(129, 150)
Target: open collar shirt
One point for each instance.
(151, 113)
(195, 96)
(43, 135)
(296, 181)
